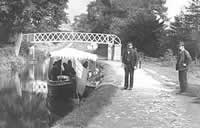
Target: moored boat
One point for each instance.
(69, 86)
(61, 89)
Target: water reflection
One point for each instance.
(24, 102)
(58, 108)
(22, 111)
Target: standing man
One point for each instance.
(129, 59)
(183, 61)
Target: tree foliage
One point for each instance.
(186, 28)
(32, 15)
(81, 23)
(145, 32)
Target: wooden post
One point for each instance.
(109, 57)
(18, 44)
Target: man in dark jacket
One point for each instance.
(183, 61)
(55, 70)
(129, 59)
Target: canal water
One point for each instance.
(24, 102)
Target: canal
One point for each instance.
(24, 101)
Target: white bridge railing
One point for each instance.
(72, 37)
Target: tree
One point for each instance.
(100, 16)
(32, 15)
(180, 28)
(186, 28)
(145, 33)
(141, 21)
(81, 23)
(143, 25)
(192, 15)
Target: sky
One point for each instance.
(174, 7)
(76, 7)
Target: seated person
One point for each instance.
(68, 69)
(85, 64)
(55, 71)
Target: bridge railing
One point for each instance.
(72, 37)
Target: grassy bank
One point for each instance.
(161, 69)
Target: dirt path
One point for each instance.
(149, 105)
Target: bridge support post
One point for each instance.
(110, 52)
(32, 52)
(117, 53)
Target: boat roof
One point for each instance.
(71, 53)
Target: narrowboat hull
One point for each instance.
(61, 89)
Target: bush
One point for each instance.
(8, 51)
(24, 49)
(9, 61)
(168, 55)
(17, 63)
(168, 59)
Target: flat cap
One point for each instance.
(181, 43)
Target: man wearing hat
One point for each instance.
(183, 61)
(129, 60)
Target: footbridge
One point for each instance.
(111, 42)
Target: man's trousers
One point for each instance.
(129, 76)
(183, 80)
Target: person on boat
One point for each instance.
(55, 71)
(68, 69)
(85, 64)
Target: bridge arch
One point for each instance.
(113, 41)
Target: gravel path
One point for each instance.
(149, 105)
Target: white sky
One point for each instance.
(175, 6)
(76, 7)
